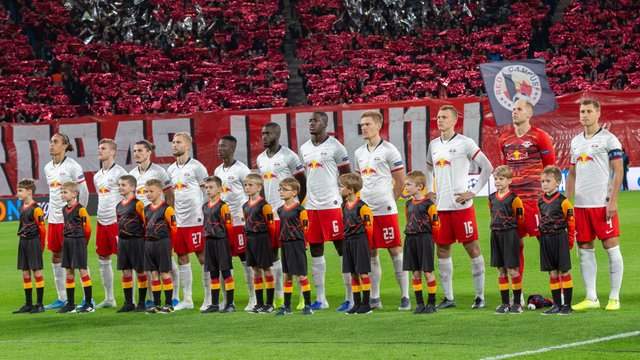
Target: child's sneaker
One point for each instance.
(153, 310)
(554, 310)
(503, 309)
(37, 308)
(364, 309)
(210, 309)
(126, 308)
(283, 311)
(24, 309)
(307, 310)
(67, 309)
(565, 310)
(141, 307)
(267, 309)
(229, 308)
(515, 309)
(167, 309)
(257, 308)
(353, 310)
(430, 309)
(419, 309)
(86, 308)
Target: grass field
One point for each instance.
(459, 333)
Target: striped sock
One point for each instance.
(431, 288)
(417, 290)
(503, 283)
(270, 285)
(357, 296)
(167, 287)
(306, 291)
(366, 289)
(156, 288)
(288, 290)
(127, 288)
(516, 285)
(88, 289)
(258, 286)
(229, 286)
(215, 290)
(567, 285)
(70, 285)
(28, 290)
(143, 284)
(39, 289)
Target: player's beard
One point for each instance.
(178, 153)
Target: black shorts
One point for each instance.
(294, 257)
(418, 253)
(356, 258)
(259, 250)
(554, 251)
(505, 249)
(157, 255)
(30, 254)
(74, 253)
(131, 254)
(217, 255)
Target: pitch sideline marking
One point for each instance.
(566, 346)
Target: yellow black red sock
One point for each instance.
(306, 291)
(229, 286)
(28, 290)
(417, 290)
(431, 288)
(167, 286)
(71, 290)
(357, 296)
(88, 289)
(215, 290)
(554, 284)
(127, 288)
(503, 283)
(270, 285)
(288, 290)
(39, 289)
(258, 287)
(156, 288)
(516, 285)
(567, 285)
(143, 284)
(366, 289)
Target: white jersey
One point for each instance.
(67, 170)
(187, 180)
(233, 189)
(376, 168)
(591, 158)
(154, 171)
(322, 163)
(106, 183)
(451, 161)
(283, 164)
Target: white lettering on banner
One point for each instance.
(86, 133)
(25, 157)
(162, 131)
(281, 119)
(5, 188)
(127, 134)
(240, 131)
(416, 117)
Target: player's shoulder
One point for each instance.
(387, 145)
(539, 132)
(262, 157)
(508, 134)
(119, 170)
(172, 167)
(362, 148)
(195, 163)
(307, 144)
(608, 134)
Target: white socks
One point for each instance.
(376, 275)
(346, 279)
(616, 268)
(445, 271)
(175, 277)
(477, 271)
(589, 269)
(401, 276)
(318, 271)
(186, 278)
(206, 283)
(248, 278)
(277, 274)
(106, 273)
(60, 277)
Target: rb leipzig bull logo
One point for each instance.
(583, 159)
(268, 176)
(368, 171)
(179, 186)
(314, 165)
(442, 163)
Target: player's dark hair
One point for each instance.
(147, 144)
(66, 141)
(214, 179)
(129, 179)
(274, 126)
(27, 184)
(229, 138)
(322, 115)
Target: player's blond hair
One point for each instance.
(213, 179)
(375, 115)
(553, 171)
(185, 135)
(418, 177)
(154, 182)
(71, 186)
(453, 110)
(595, 103)
(254, 179)
(503, 171)
(109, 142)
(292, 183)
(350, 181)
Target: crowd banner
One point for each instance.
(409, 125)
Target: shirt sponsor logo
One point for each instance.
(314, 165)
(225, 189)
(368, 171)
(140, 191)
(180, 186)
(517, 155)
(441, 163)
(268, 176)
(527, 144)
(583, 159)
(55, 184)
(104, 191)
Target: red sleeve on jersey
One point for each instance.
(546, 148)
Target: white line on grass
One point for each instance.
(566, 346)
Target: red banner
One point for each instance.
(408, 125)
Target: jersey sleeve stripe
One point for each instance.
(343, 165)
(400, 168)
(476, 154)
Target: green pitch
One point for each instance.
(459, 333)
